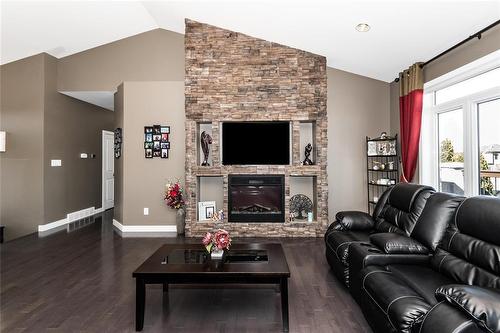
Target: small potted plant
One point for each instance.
(175, 200)
(217, 243)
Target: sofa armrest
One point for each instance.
(364, 254)
(352, 220)
(480, 304)
(445, 318)
(392, 243)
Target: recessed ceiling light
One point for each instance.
(362, 27)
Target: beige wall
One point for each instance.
(464, 54)
(71, 127)
(156, 55)
(118, 121)
(357, 107)
(21, 167)
(145, 104)
(43, 124)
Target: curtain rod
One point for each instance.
(477, 35)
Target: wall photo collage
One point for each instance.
(156, 141)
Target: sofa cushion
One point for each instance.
(403, 306)
(403, 196)
(481, 304)
(423, 279)
(479, 217)
(339, 242)
(438, 213)
(469, 253)
(404, 206)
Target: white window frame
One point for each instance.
(429, 143)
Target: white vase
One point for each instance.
(217, 254)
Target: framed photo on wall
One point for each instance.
(156, 141)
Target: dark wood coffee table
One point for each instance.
(189, 264)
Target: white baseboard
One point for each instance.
(145, 230)
(70, 217)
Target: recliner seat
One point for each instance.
(456, 290)
(397, 212)
(389, 248)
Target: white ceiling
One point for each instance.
(402, 32)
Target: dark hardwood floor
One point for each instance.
(81, 281)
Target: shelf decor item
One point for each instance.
(307, 153)
(205, 141)
(206, 210)
(174, 199)
(217, 243)
(382, 163)
(300, 206)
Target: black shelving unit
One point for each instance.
(381, 153)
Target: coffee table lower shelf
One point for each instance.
(165, 281)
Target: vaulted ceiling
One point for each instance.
(402, 32)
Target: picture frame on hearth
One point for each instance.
(206, 210)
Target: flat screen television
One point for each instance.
(266, 142)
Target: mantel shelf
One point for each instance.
(292, 170)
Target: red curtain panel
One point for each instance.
(411, 92)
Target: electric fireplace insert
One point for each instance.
(256, 198)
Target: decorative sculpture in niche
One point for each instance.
(307, 153)
(206, 140)
(300, 206)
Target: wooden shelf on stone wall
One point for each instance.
(208, 170)
(292, 170)
(305, 170)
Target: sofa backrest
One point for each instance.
(438, 213)
(470, 250)
(400, 208)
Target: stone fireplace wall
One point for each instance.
(234, 77)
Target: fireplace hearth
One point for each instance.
(256, 198)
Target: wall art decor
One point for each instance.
(118, 142)
(156, 141)
(300, 206)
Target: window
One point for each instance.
(489, 147)
(475, 84)
(451, 152)
(460, 137)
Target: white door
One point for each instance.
(108, 170)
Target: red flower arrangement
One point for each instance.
(220, 240)
(173, 196)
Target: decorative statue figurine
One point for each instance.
(307, 153)
(206, 140)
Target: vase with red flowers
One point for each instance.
(174, 199)
(217, 243)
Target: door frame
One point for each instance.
(102, 165)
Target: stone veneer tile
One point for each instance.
(234, 77)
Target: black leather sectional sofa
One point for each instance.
(424, 262)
